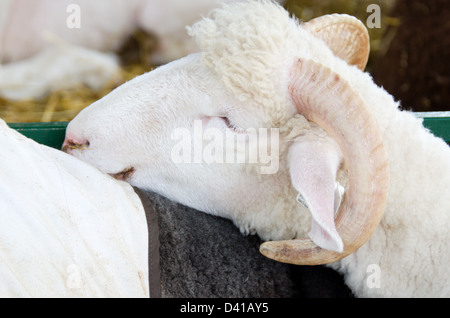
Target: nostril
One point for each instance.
(70, 144)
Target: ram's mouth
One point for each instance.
(124, 175)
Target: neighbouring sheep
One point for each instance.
(56, 44)
(294, 94)
(66, 229)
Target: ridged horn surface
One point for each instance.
(345, 35)
(323, 97)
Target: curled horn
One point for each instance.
(323, 97)
(345, 35)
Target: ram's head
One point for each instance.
(261, 76)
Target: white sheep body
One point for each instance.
(66, 229)
(248, 51)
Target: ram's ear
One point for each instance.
(313, 167)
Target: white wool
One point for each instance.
(66, 229)
(251, 46)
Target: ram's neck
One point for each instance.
(419, 164)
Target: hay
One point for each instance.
(60, 105)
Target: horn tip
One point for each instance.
(296, 252)
(299, 252)
(269, 250)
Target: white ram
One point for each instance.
(67, 229)
(292, 87)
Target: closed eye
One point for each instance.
(231, 126)
(228, 123)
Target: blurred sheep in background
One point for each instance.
(48, 45)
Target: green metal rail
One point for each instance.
(52, 134)
(438, 123)
(49, 134)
